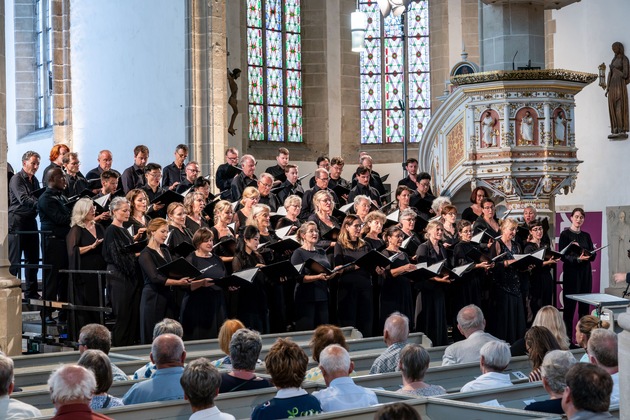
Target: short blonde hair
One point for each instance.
(293, 199)
(250, 192)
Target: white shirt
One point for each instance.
(11, 409)
(211, 413)
(344, 394)
(614, 396)
(488, 381)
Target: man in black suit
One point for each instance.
(277, 171)
(245, 178)
(175, 173)
(22, 217)
(226, 172)
(362, 176)
(133, 176)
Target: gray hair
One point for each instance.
(6, 374)
(168, 326)
(319, 172)
(98, 362)
(334, 359)
(407, 213)
(293, 199)
(496, 355)
(167, 348)
(440, 202)
(397, 325)
(71, 383)
(603, 346)
(470, 318)
(200, 382)
(117, 203)
(245, 158)
(266, 175)
(80, 210)
(359, 198)
(554, 369)
(414, 362)
(27, 155)
(245, 347)
(256, 210)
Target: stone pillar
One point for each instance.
(62, 89)
(10, 291)
(207, 83)
(624, 364)
(508, 28)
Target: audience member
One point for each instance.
(539, 341)
(165, 326)
(98, 337)
(397, 411)
(471, 323)
(587, 394)
(395, 334)
(341, 392)
(286, 363)
(10, 408)
(168, 354)
(495, 357)
(550, 318)
(323, 336)
(603, 352)
(101, 367)
(200, 382)
(554, 369)
(583, 329)
(71, 388)
(245, 347)
(414, 362)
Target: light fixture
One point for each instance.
(358, 25)
(602, 75)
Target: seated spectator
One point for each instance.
(495, 358)
(471, 323)
(200, 382)
(229, 327)
(554, 368)
(397, 411)
(11, 408)
(538, 342)
(587, 394)
(395, 335)
(168, 354)
(245, 348)
(98, 337)
(99, 364)
(166, 325)
(286, 363)
(71, 389)
(414, 362)
(603, 352)
(342, 393)
(583, 329)
(323, 336)
(550, 318)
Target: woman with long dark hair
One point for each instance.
(476, 209)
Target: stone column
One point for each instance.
(10, 291)
(62, 89)
(624, 364)
(508, 28)
(207, 83)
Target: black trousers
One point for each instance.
(29, 245)
(56, 283)
(577, 284)
(125, 298)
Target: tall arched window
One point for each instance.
(274, 70)
(387, 76)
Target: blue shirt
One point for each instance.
(344, 394)
(164, 385)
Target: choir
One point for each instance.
(275, 255)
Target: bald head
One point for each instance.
(396, 329)
(167, 351)
(470, 319)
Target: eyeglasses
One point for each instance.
(488, 208)
(356, 226)
(266, 185)
(323, 179)
(195, 171)
(154, 175)
(182, 155)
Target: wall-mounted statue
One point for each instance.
(489, 129)
(527, 122)
(617, 93)
(559, 127)
(232, 76)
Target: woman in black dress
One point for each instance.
(293, 205)
(323, 218)
(311, 290)
(194, 203)
(122, 282)
(403, 197)
(223, 214)
(203, 308)
(407, 219)
(488, 222)
(475, 211)
(361, 206)
(541, 284)
(138, 202)
(354, 294)
(84, 253)
(373, 228)
(449, 220)
(577, 276)
(158, 301)
(396, 288)
(509, 321)
(250, 198)
(178, 232)
(252, 299)
(432, 318)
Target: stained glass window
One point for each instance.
(390, 82)
(274, 56)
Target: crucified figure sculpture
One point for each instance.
(232, 76)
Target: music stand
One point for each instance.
(600, 300)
